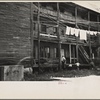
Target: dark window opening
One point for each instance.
(45, 52)
(93, 17)
(62, 32)
(34, 26)
(55, 30)
(55, 52)
(43, 28)
(41, 52)
(34, 17)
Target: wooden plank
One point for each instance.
(38, 19)
(58, 35)
(98, 21)
(76, 11)
(70, 52)
(31, 32)
(89, 34)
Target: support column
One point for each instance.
(31, 33)
(98, 34)
(98, 21)
(70, 53)
(76, 37)
(38, 21)
(58, 35)
(89, 34)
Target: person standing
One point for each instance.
(63, 60)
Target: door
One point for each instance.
(62, 52)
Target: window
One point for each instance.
(35, 18)
(35, 51)
(62, 32)
(55, 30)
(43, 28)
(55, 52)
(41, 51)
(45, 52)
(34, 26)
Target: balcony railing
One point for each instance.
(46, 11)
(67, 17)
(54, 13)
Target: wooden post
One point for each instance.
(31, 33)
(70, 53)
(89, 33)
(98, 31)
(38, 22)
(98, 22)
(76, 37)
(58, 35)
(74, 53)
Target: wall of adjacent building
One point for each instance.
(14, 30)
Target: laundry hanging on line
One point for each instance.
(88, 32)
(94, 33)
(98, 32)
(72, 31)
(91, 32)
(83, 35)
(68, 30)
(77, 31)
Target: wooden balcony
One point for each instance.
(66, 39)
(67, 17)
(54, 14)
(49, 12)
(46, 37)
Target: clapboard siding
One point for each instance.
(14, 30)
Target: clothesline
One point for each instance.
(73, 31)
(80, 32)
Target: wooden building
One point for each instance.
(14, 32)
(38, 30)
(50, 21)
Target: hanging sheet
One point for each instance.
(68, 30)
(91, 32)
(72, 31)
(95, 33)
(88, 32)
(77, 31)
(83, 35)
(80, 32)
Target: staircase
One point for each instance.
(83, 54)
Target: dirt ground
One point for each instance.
(66, 84)
(47, 76)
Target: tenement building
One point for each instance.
(48, 31)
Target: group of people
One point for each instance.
(63, 60)
(77, 64)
